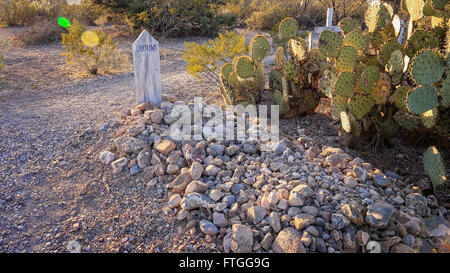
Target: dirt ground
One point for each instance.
(53, 190)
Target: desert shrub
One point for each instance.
(27, 12)
(264, 14)
(205, 61)
(104, 55)
(265, 19)
(171, 17)
(87, 12)
(43, 30)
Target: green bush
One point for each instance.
(28, 12)
(265, 19)
(103, 55)
(205, 61)
(171, 17)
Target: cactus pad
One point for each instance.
(360, 105)
(340, 102)
(278, 99)
(445, 93)
(297, 49)
(330, 43)
(395, 67)
(226, 70)
(357, 40)
(348, 25)
(244, 67)
(439, 4)
(345, 84)
(429, 118)
(327, 82)
(384, 55)
(422, 99)
(259, 48)
(368, 78)
(419, 40)
(347, 59)
(275, 80)
(377, 16)
(399, 97)
(415, 8)
(279, 58)
(381, 90)
(345, 122)
(428, 67)
(288, 28)
(434, 166)
(407, 120)
(289, 70)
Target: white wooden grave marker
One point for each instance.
(147, 72)
(329, 24)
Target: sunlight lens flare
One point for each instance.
(63, 22)
(90, 38)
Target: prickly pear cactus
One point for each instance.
(434, 167)
(243, 80)
(295, 79)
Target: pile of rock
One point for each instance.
(297, 197)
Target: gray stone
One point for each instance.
(279, 148)
(362, 237)
(337, 160)
(133, 145)
(296, 199)
(180, 182)
(288, 241)
(414, 225)
(174, 201)
(360, 173)
(196, 200)
(106, 157)
(274, 221)
(266, 243)
(401, 248)
(196, 170)
(211, 170)
(147, 69)
(304, 190)
(196, 186)
(303, 220)
(339, 221)
(232, 150)
(208, 228)
(350, 182)
(379, 215)
(215, 195)
(353, 213)
(250, 148)
(418, 203)
(256, 214)
(134, 170)
(143, 159)
(236, 188)
(381, 180)
(241, 239)
(219, 219)
(320, 245)
(118, 164)
(217, 148)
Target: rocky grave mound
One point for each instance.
(294, 197)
